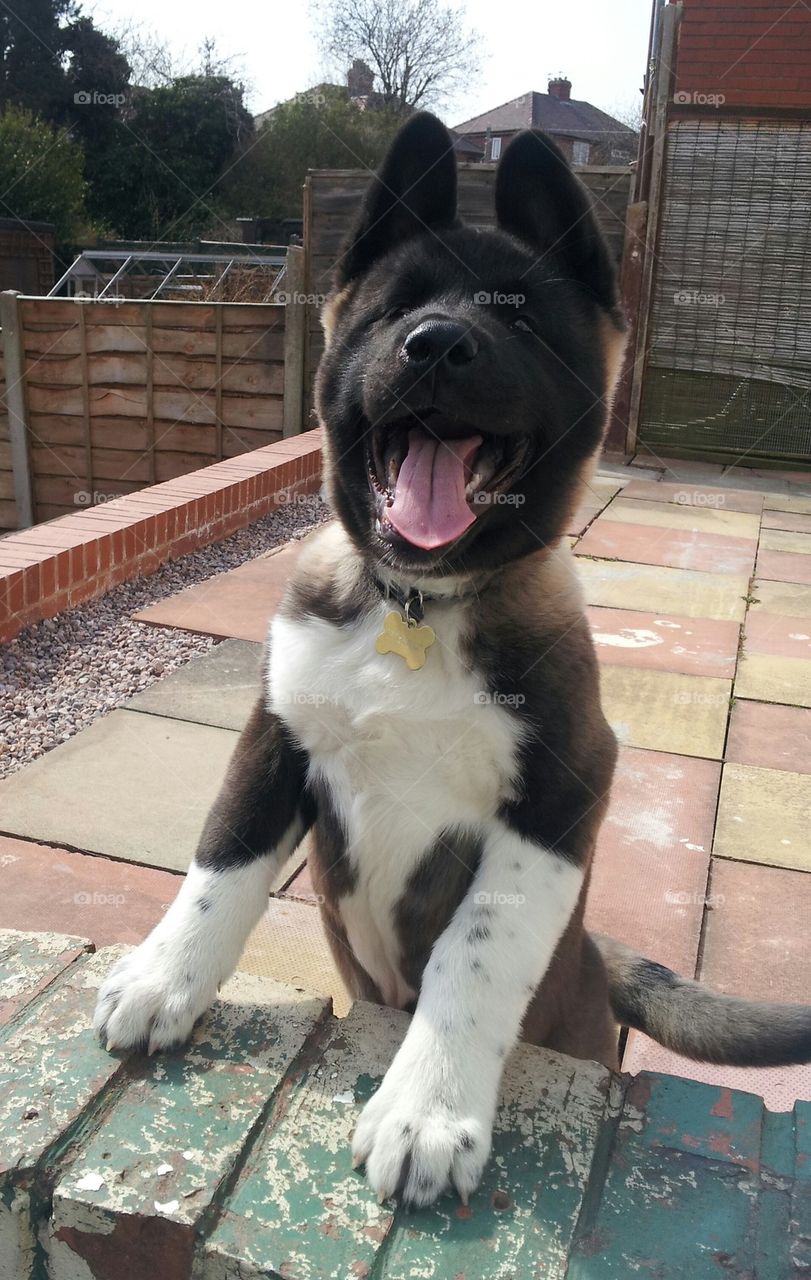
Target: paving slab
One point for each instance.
(764, 815)
(239, 603)
(173, 1134)
(779, 1087)
(680, 468)
(776, 635)
(695, 646)
(675, 548)
(51, 888)
(694, 517)
(693, 495)
(582, 518)
(649, 876)
(800, 504)
(289, 944)
(784, 566)
(796, 523)
(299, 1210)
(755, 941)
(769, 736)
(30, 962)
(219, 688)
(131, 786)
(680, 592)
(774, 679)
(789, 599)
(786, 540)
(666, 711)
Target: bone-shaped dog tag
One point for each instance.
(407, 640)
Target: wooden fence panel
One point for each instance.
(122, 395)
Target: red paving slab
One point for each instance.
(664, 642)
(239, 603)
(777, 636)
(783, 566)
(650, 872)
(770, 736)
(674, 548)
(756, 936)
(696, 496)
(779, 1087)
(51, 889)
(755, 946)
(789, 521)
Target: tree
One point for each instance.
(421, 51)
(319, 130)
(32, 49)
(162, 179)
(41, 175)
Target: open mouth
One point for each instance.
(433, 477)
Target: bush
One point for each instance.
(41, 175)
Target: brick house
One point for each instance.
(585, 134)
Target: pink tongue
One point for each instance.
(429, 506)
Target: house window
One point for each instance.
(495, 148)
(580, 152)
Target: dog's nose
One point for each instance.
(439, 341)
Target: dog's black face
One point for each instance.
(467, 373)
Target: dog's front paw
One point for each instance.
(417, 1143)
(149, 1002)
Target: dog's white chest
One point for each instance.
(405, 755)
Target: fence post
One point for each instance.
(295, 325)
(14, 352)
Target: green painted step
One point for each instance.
(231, 1160)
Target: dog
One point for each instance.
(431, 703)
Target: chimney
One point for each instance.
(560, 88)
(359, 79)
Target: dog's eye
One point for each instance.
(396, 313)
(523, 323)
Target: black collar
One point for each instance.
(412, 601)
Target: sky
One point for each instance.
(601, 46)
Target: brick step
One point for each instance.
(230, 1160)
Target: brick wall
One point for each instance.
(755, 53)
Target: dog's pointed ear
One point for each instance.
(414, 190)
(540, 200)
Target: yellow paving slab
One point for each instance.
(768, 678)
(289, 944)
(602, 488)
(782, 540)
(618, 584)
(666, 711)
(789, 599)
(670, 515)
(764, 815)
(788, 502)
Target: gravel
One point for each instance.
(59, 675)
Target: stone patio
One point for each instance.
(698, 584)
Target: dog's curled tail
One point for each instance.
(698, 1023)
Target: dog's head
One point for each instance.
(467, 375)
